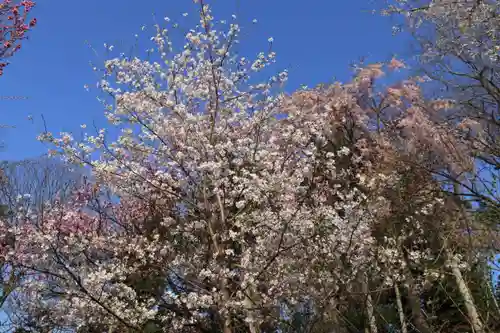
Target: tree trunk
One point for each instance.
(249, 304)
(369, 307)
(416, 308)
(400, 309)
(494, 298)
(470, 307)
(226, 320)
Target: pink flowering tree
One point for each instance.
(459, 49)
(25, 188)
(232, 202)
(14, 24)
(231, 196)
(458, 44)
(412, 138)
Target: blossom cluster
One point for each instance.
(14, 25)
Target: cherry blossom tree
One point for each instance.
(409, 128)
(233, 198)
(234, 205)
(27, 186)
(458, 48)
(458, 51)
(14, 24)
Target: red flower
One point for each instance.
(27, 5)
(16, 13)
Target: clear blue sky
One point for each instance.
(316, 39)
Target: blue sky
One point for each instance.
(315, 39)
